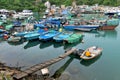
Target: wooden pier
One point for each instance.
(40, 66)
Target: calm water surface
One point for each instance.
(105, 67)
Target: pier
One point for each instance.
(40, 66)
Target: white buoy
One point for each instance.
(45, 71)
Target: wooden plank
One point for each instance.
(21, 75)
(28, 71)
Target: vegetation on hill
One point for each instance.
(38, 5)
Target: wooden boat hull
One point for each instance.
(107, 27)
(94, 53)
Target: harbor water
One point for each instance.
(104, 67)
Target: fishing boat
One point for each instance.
(109, 25)
(26, 13)
(91, 53)
(8, 27)
(40, 26)
(14, 39)
(72, 27)
(83, 29)
(49, 35)
(73, 38)
(1, 22)
(1, 35)
(1, 30)
(34, 35)
(118, 14)
(62, 36)
(21, 34)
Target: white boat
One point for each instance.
(93, 52)
(26, 13)
(14, 39)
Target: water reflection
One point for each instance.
(45, 44)
(48, 44)
(75, 56)
(89, 62)
(67, 46)
(107, 34)
(31, 44)
(57, 45)
(58, 73)
(15, 43)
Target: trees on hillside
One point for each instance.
(37, 5)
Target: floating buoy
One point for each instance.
(45, 71)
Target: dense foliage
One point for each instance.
(38, 5)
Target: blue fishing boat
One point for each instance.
(62, 36)
(21, 34)
(16, 23)
(39, 25)
(1, 30)
(48, 35)
(72, 27)
(76, 37)
(34, 35)
(53, 21)
(1, 35)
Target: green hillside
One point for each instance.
(38, 5)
